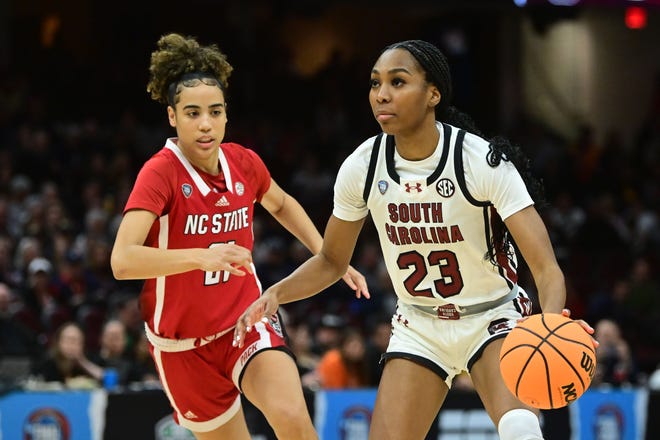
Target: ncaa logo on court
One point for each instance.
(354, 423)
(46, 423)
(187, 189)
(445, 187)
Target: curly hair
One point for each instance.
(181, 61)
(436, 69)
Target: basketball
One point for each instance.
(547, 361)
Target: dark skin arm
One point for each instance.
(531, 236)
(290, 214)
(316, 274)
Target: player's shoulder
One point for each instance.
(245, 160)
(474, 149)
(162, 160)
(472, 142)
(235, 149)
(240, 154)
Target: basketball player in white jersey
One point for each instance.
(187, 231)
(446, 204)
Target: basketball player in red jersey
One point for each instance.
(187, 231)
(447, 204)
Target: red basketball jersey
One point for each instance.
(198, 210)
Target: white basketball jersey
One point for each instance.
(434, 216)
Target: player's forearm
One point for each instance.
(552, 290)
(135, 262)
(310, 278)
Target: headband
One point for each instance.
(188, 80)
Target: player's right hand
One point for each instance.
(587, 328)
(260, 310)
(357, 282)
(228, 257)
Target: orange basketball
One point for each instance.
(547, 361)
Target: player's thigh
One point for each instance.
(490, 386)
(408, 400)
(271, 382)
(235, 428)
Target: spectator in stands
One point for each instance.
(5, 223)
(125, 307)
(564, 218)
(644, 296)
(7, 273)
(27, 249)
(101, 281)
(19, 191)
(614, 366)
(15, 337)
(96, 229)
(328, 333)
(311, 185)
(345, 366)
(73, 275)
(644, 224)
(143, 368)
(643, 302)
(67, 362)
(46, 308)
(301, 343)
(600, 258)
(112, 352)
(377, 342)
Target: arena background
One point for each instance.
(577, 85)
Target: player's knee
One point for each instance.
(519, 424)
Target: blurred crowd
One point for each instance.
(65, 176)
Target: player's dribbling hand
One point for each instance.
(260, 310)
(228, 257)
(587, 328)
(357, 282)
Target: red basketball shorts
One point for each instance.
(203, 384)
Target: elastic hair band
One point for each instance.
(187, 79)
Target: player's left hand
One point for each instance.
(357, 282)
(260, 310)
(587, 328)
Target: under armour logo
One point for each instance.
(417, 187)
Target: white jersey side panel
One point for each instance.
(433, 216)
